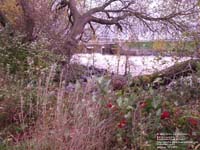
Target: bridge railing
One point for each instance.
(103, 41)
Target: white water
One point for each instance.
(138, 65)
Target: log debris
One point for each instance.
(166, 76)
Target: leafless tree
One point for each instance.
(66, 22)
(124, 14)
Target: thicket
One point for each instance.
(37, 112)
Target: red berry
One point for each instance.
(109, 105)
(143, 104)
(165, 115)
(119, 125)
(193, 121)
(122, 123)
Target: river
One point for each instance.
(135, 65)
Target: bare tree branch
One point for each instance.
(121, 12)
(92, 28)
(73, 8)
(100, 8)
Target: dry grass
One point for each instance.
(65, 120)
(81, 120)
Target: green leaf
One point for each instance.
(158, 112)
(126, 102)
(155, 103)
(129, 108)
(120, 101)
(128, 115)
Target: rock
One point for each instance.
(118, 82)
(83, 74)
(83, 78)
(70, 87)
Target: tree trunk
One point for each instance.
(29, 22)
(3, 19)
(73, 38)
(164, 77)
(71, 45)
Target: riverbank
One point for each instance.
(135, 65)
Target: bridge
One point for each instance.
(103, 45)
(114, 46)
(105, 40)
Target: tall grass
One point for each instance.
(46, 116)
(37, 112)
(65, 120)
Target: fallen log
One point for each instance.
(166, 76)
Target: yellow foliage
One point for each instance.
(12, 10)
(159, 45)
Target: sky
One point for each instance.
(137, 33)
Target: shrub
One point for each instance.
(38, 113)
(23, 68)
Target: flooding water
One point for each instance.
(136, 65)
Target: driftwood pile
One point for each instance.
(166, 76)
(155, 80)
(160, 78)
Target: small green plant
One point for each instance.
(38, 113)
